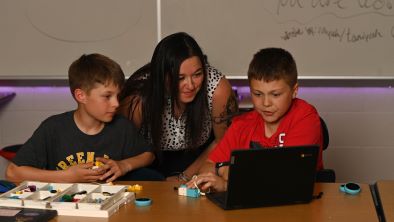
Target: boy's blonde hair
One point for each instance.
(273, 64)
(90, 69)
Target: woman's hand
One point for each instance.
(181, 177)
(172, 178)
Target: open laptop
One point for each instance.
(266, 177)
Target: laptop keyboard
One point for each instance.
(218, 196)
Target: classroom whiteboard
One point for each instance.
(327, 37)
(41, 38)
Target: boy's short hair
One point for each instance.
(273, 64)
(90, 69)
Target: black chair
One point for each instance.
(9, 152)
(325, 175)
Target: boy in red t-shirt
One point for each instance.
(278, 119)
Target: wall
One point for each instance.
(361, 127)
(327, 38)
(45, 36)
(23, 114)
(360, 120)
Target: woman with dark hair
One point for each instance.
(177, 100)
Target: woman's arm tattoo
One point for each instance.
(231, 110)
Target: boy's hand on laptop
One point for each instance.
(83, 173)
(208, 181)
(113, 169)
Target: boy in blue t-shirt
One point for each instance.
(66, 147)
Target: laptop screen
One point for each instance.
(271, 176)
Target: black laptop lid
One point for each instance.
(271, 176)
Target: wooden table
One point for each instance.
(385, 190)
(168, 206)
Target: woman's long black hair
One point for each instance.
(157, 81)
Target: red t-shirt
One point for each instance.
(300, 126)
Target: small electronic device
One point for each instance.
(143, 202)
(26, 214)
(350, 188)
(189, 192)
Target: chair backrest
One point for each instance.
(326, 135)
(9, 152)
(325, 175)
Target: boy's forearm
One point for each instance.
(18, 174)
(141, 160)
